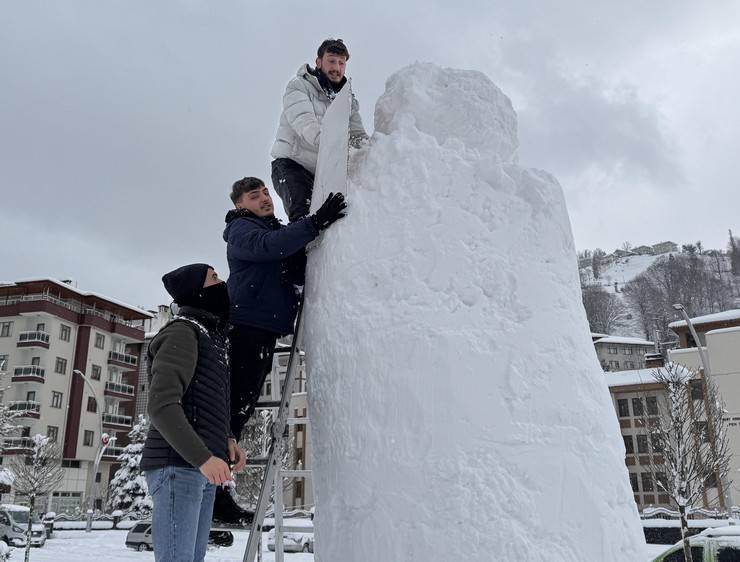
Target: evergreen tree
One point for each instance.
(128, 489)
(734, 251)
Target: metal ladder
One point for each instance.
(274, 473)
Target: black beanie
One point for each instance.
(185, 281)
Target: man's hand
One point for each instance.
(237, 455)
(331, 211)
(216, 470)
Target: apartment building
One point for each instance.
(617, 353)
(69, 361)
(636, 397)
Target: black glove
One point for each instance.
(331, 211)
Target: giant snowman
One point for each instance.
(458, 410)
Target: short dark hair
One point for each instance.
(244, 185)
(333, 46)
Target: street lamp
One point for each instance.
(105, 440)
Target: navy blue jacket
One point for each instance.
(259, 251)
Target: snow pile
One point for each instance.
(455, 412)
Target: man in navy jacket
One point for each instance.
(265, 265)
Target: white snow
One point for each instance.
(624, 340)
(726, 316)
(78, 546)
(445, 379)
(6, 477)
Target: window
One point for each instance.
(613, 350)
(728, 553)
(36, 361)
(268, 388)
(67, 463)
(3, 363)
(634, 482)
(697, 553)
(56, 399)
(657, 445)
(87, 440)
(6, 329)
(92, 404)
(642, 444)
(711, 480)
(614, 364)
(97, 477)
(629, 444)
(60, 366)
(637, 409)
(31, 396)
(700, 428)
(697, 390)
(41, 327)
(52, 432)
(65, 332)
(661, 481)
(629, 364)
(647, 482)
(99, 341)
(96, 370)
(623, 407)
(652, 405)
(628, 351)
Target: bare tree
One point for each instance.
(36, 475)
(605, 311)
(688, 439)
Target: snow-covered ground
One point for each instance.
(79, 546)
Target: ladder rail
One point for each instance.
(271, 475)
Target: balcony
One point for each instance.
(119, 390)
(33, 339)
(111, 453)
(28, 409)
(17, 445)
(29, 373)
(117, 421)
(123, 360)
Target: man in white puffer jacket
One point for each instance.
(296, 148)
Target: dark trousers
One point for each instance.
(250, 360)
(294, 185)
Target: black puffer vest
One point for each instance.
(206, 400)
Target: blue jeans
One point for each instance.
(181, 519)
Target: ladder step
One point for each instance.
(257, 461)
(293, 529)
(297, 421)
(295, 473)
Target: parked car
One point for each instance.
(14, 523)
(292, 542)
(139, 537)
(720, 544)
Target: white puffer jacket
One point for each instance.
(304, 105)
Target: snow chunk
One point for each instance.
(428, 98)
(455, 410)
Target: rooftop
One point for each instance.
(726, 316)
(624, 340)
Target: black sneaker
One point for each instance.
(227, 511)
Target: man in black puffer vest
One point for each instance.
(189, 442)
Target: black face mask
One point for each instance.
(214, 299)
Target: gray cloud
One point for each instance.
(123, 125)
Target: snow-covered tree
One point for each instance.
(688, 439)
(36, 475)
(128, 490)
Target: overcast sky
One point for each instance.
(123, 124)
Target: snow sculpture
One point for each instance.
(458, 408)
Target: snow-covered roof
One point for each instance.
(726, 316)
(14, 507)
(79, 292)
(624, 340)
(629, 378)
(598, 335)
(724, 330)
